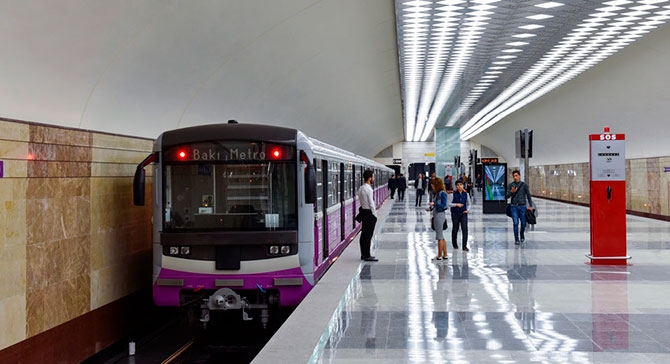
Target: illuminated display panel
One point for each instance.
(494, 182)
(229, 152)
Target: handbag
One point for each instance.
(508, 210)
(530, 217)
(432, 223)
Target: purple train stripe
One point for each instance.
(289, 295)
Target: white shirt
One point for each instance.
(366, 198)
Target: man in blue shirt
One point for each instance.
(519, 192)
(460, 207)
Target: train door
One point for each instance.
(319, 212)
(343, 201)
(326, 198)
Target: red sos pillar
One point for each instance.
(608, 199)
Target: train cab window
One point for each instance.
(252, 196)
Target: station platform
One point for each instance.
(541, 301)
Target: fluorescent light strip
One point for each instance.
(526, 97)
(456, 65)
(539, 17)
(549, 5)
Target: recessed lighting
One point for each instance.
(523, 35)
(539, 17)
(549, 5)
(644, 7)
(513, 50)
(618, 2)
(531, 26)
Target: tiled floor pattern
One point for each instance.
(540, 302)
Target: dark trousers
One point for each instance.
(519, 213)
(401, 195)
(419, 196)
(462, 221)
(368, 228)
(392, 192)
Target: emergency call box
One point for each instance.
(608, 157)
(607, 199)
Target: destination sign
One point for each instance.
(229, 152)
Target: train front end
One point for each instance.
(228, 232)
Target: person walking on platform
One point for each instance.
(439, 206)
(479, 182)
(460, 207)
(368, 215)
(402, 186)
(393, 185)
(469, 187)
(420, 186)
(519, 193)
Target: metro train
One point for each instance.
(248, 217)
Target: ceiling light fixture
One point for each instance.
(463, 65)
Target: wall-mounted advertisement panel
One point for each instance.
(495, 184)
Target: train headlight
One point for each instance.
(285, 249)
(274, 249)
(174, 250)
(185, 250)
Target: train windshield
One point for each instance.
(230, 196)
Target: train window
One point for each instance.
(253, 196)
(333, 184)
(347, 182)
(359, 177)
(318, 206)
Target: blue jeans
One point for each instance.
(518, 212)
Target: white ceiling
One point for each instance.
(328, 68)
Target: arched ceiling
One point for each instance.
(328, 68)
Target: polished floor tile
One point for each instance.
(538, 302)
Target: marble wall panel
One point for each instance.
(654, 185)
(99, 169)
(647, 184)
(57, 208)
(43, 134)
(121, 142)
(55, 304)
(13, 150)
(15, 169)
(13, 319)
(13, 212)
(13, 271)
(60, 153)
(50, 223)
(119, 280)
(14, 131)
(664, 185)
(118, 156)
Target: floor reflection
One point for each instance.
(502, 303)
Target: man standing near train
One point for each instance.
(367, 215)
